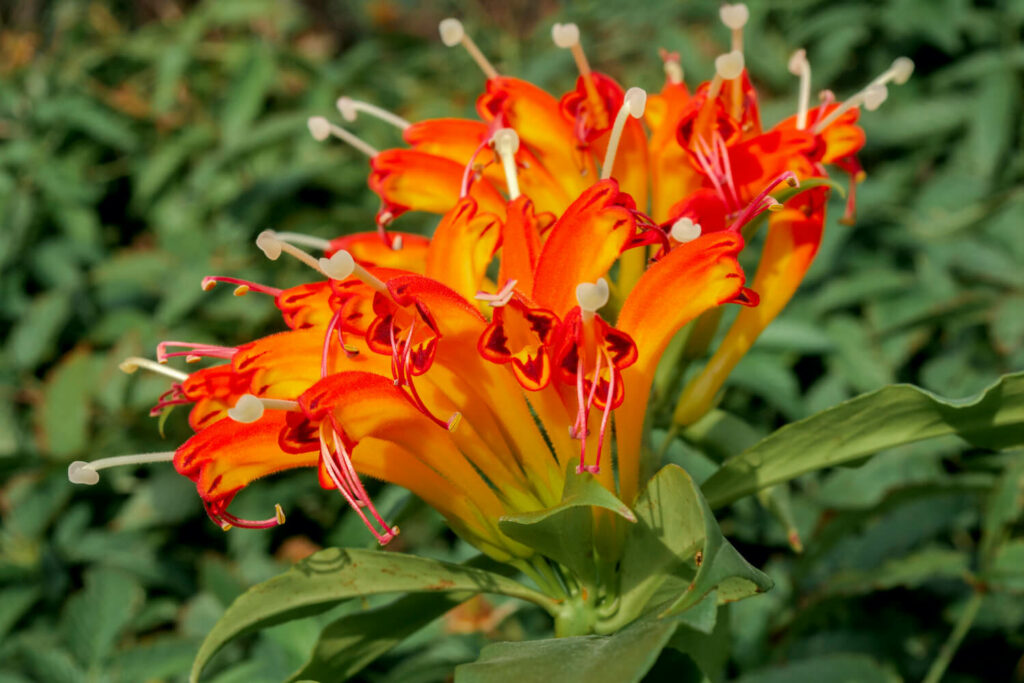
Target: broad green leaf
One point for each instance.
(1007, 572)
(907, 572)
(33, 337)
(867, 424)
(349, 643)
(676, 539)
(837, 668)
(1005, 506)
(709, 649)
(331, 576)
(63, 417)
(565, 532)
(620, 658)
(95, 617)
(14, 602)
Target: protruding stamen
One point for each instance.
(735, 17)
(764, 201)
(271, 245)
(350, 108)
(799, 66)
(133, 363)
(873, 94)
(242, 287)
(87, 473)
(567, 36)
(339, 266)
(506, 144)
(727, 67)
(304, 240)
(685, 230)
(499, 298)
(454, 33)
(250, 408)
(673, 69)
(633, 104)
(321, 129)
(279, 513)
(592, 295)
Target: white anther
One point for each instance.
(452, 31)
(269, 244)
(81, 472)
(901, 69)
(636, 100)
(798, 62)
(565, 35)
(347, 109)
(874, 96)
(729, 65)
(734, 16)
(506, 143)
(247, 409)
(592, 295)
(319, 128)
(685, 230)
(339, 266)
(87, 473)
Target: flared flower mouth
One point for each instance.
(518, 345)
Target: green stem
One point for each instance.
(551, 591)
(949, 648)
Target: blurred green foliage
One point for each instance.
(142, 146)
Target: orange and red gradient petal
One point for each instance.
(226, 456)
(307, 305)
(371, 251)
(583, 244)
(536, 117)
(520, 245)
(794, 235)
(409, 180)
(672, 175)
(369, 405)
(462, 247)
(692, 278)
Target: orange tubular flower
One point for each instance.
(405, 363)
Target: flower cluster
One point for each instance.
(518, 345)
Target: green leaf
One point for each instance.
(620, 658)
(349, 643)
(95, 617)
(867, 424)
(64, 415)
(14, 602)
(331, 576)
(677, 542)
(837, 668)
(565, 532)
(907, 572)
(709, 649)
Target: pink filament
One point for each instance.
(253, 286)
